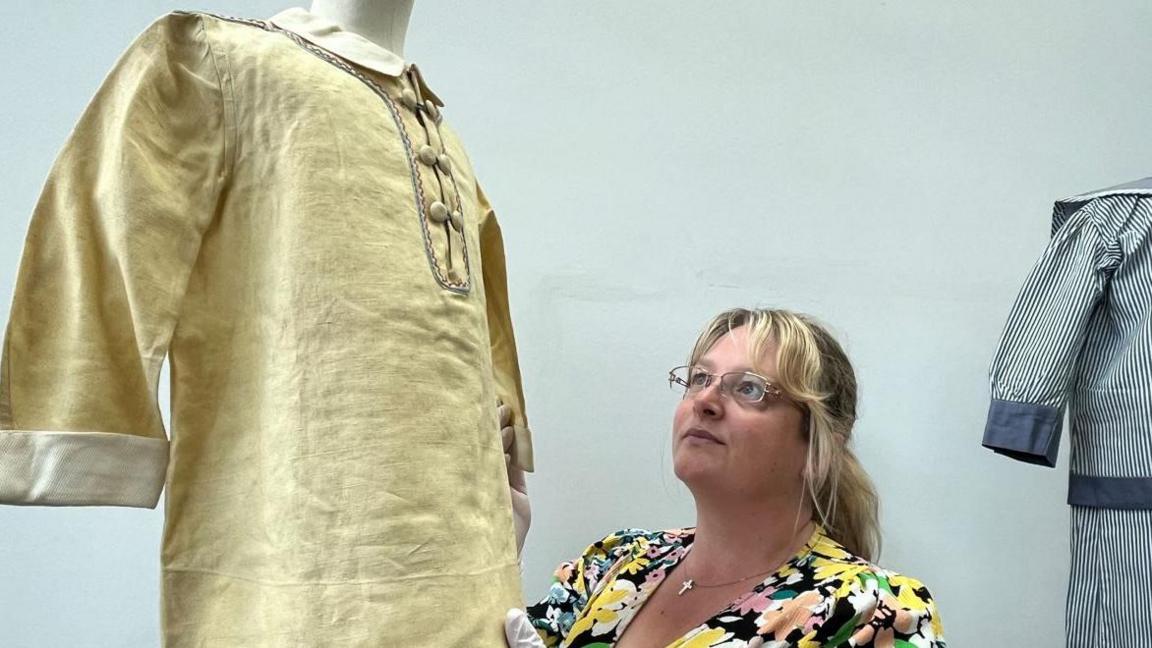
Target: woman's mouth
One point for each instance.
(701, 435)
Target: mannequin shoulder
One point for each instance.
(216, 28)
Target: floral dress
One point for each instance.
(823, 596)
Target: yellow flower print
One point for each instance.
(788, 571)
(830, 549)
(827, 569)
(809, 641)
(602, 615)
(596, 617)
(636, 565)
(908, 597)
(937, 626)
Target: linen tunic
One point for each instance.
(283, 212)
(822, 596)
(1080, 335)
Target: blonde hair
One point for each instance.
(814, 372)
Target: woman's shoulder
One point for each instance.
(632, 535)
(633, 541)
(830, 562)
(856, 588)
(606, 556)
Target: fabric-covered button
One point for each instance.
(444, 163)
(457, 221)
(408, 98)
(431, 109)
(427, 155)
(438, 211)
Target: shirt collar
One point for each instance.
(1140, 187)
(347, 45)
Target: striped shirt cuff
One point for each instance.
(1024, 431)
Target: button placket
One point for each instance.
(404, 104)
(435, 157)
(408, 99)
(444, 208)
(443, 167)
(427, 155)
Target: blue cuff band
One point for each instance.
(1128, 493)
(1024, 431)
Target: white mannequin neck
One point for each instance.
(384, 22)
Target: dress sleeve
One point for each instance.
(575, 582)
(1045, 332)
(106, 260)
(505, 362)
(890, 610)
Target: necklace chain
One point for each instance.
(690, 583)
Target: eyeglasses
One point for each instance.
(742, 386)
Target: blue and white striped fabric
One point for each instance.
(1080, 334)
(1110, 588)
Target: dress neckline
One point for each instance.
(656, 572)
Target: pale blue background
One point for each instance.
(887, 165)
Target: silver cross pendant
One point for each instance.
(684, 587)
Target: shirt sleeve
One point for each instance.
(505, 361)
(106, 260)
(1035, 362)
(891, 610)
(575, 582)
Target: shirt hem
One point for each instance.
(1125, 493)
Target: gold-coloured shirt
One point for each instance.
(299, 231)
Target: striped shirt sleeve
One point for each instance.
(1036, 359)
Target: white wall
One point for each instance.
(888, 166)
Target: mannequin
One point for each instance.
(384, 22)
(304, 238)
(1077, 340)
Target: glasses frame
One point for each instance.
(772, 391)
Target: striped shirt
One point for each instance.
(1080, 334)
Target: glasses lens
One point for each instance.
(689, 379)
(698, 379)
(747, 387)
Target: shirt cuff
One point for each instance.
(45, 468)
(1024, 431)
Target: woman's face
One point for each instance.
(725, 446)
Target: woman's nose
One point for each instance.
(708, 402)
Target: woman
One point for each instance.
(786, 517)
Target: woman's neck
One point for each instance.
(737, 539)
(384, 22)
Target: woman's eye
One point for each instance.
(750, 389)
(697, 379)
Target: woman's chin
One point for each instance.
(690, 467)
